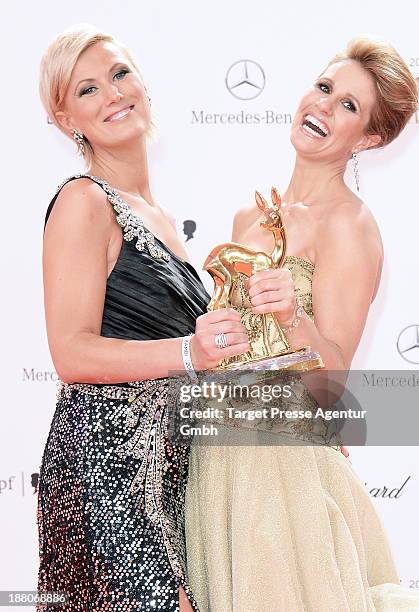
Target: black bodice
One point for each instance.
(151, 293)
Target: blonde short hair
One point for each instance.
(57, 65)
(396, 89)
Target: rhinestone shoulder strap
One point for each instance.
(132, 224)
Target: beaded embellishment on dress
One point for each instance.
(112, 479)
(147, 417)
(111, 500)
(132, 224)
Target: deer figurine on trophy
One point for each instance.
(230, 264)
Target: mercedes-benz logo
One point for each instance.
(408, 344)
(245, 80)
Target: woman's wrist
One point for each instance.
(187, 357)
(297, 316)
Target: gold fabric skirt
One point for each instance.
(286, 529)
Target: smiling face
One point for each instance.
(331, 120)
(106, 100)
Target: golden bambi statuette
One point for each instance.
(230, 264)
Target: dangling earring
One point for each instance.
(79, 138)
(148, 95)
(355, 161)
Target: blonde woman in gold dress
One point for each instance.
(292, 528)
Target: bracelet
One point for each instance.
(186, 356)
(297, 318)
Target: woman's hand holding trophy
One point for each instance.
(261, 292)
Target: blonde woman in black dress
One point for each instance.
(121, 301)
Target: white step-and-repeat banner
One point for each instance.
(220, 138)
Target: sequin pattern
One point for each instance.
(132, 224)
(111, 500)
(112, 483)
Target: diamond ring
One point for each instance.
(221, 340)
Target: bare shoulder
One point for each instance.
(244, 218)
(246, 213)
(351, 223)
(169, 216)
(81, 202)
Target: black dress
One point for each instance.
(112, 482)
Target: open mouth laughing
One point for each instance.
(314, 126)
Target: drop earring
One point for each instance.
(79, 138)
(355, 161)
(148, 95)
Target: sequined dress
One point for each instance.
(112, 483)
(285, 525)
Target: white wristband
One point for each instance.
(186, 356)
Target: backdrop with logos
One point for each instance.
(225, 79)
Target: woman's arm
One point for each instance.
(76, 242)
(346, 276)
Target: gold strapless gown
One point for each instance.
(286, 528)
